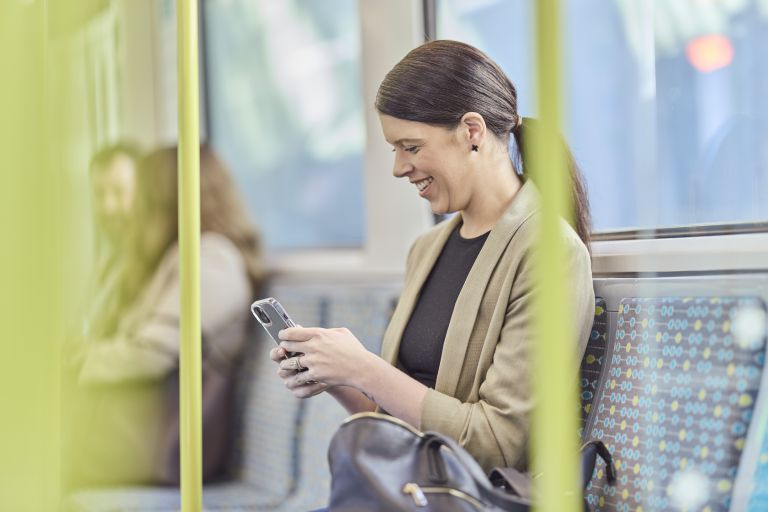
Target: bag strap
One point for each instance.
(511, 480)
(518, 483)
(589, 453)
(461, 454)
(496, 496)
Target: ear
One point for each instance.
(472, 128)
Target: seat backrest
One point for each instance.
(269, 442)
(284, 441)
(592, 362)
(758, 480)
(365, 312)
(750, 492)
(675, 402)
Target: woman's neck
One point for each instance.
(492, 193)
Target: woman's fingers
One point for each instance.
(309, 390)
(294, 363)
(277, 354)
(295, 346)
(295, 379)
(299, 333)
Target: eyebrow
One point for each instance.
(403, 141)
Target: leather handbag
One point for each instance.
(380, 463)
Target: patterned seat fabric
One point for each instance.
(676, 401)
(592, 362)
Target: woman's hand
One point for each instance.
(334, 357)
(297, 382)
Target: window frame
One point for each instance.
(388, 30)
(647, 68)
(685, 231)
(387, 33)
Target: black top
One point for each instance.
(422, 344)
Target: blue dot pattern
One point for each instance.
(676, 400)
(592, 362)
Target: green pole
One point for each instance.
(32, 220)
(554, 422)
(190, 387)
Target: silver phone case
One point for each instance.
(278, 318)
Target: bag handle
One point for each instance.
(512, 481)
(589, 453)
(520, 483)
(435, 439)
(495, 496)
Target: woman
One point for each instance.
(127, 374)
(455, 357)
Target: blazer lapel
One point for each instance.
(422, 268)
(468, 303)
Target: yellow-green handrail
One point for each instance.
(554, 424)
(190, 375)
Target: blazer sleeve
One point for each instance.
(150, 350)
(495, 429)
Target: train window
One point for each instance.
(295, 150)
(667, 102)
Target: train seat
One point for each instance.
(676, 401)
(282, 443)
(592, 362)
(275, 471)
(757, 486)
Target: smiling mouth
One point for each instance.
(423, 184)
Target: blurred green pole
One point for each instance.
(554, 422)
(31, 294)
(189, 243)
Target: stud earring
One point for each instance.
(475, 148)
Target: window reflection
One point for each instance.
(286, 114)
(666, 101)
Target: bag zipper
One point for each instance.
(418, 494)
(385, 417)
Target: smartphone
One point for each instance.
(272, 316)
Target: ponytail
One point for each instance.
(580, 218)
(440, 81)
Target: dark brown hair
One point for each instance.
(440, 81)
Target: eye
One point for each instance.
(412, 149)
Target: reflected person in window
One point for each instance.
(127, 413)
(456, 355)
(113, 196)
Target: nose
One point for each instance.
(402, 167)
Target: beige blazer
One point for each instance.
(146, 345)
(482, 397)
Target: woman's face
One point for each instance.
(114, 190)
(434, 159)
